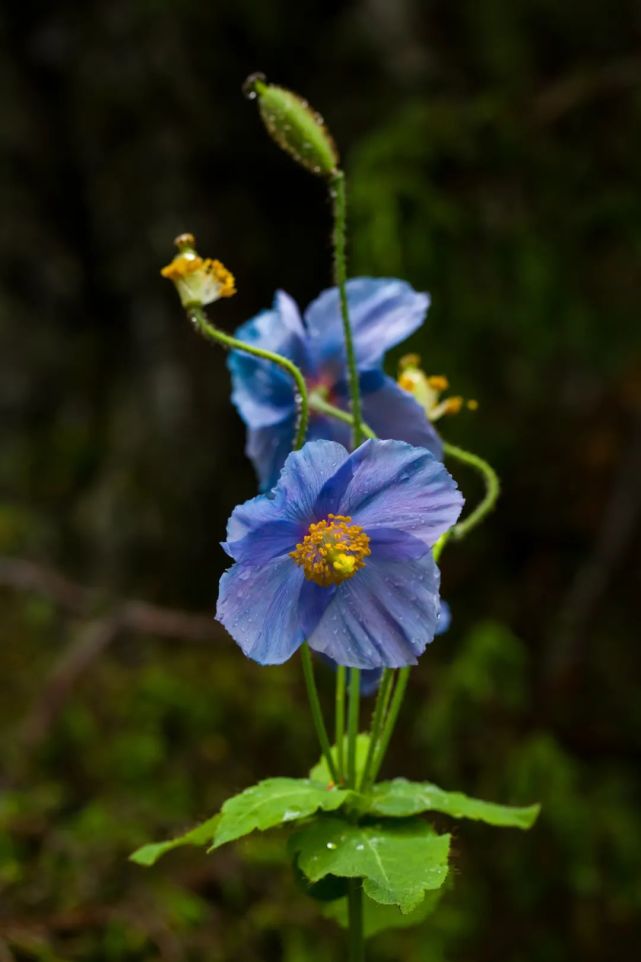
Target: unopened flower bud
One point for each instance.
(294, 125)
(198, 280)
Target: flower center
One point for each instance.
(332, 550)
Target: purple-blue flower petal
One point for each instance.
(444, 618)
(393, 413)
(304, 474)
(383, 311)
(382, 618)
(258, 605)
(394, 544)
(263, 392)
(313, 603)
(268, 447)
(266, 542)
(392, 484)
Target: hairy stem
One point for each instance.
(339, 208)
(355, 912)
(390, 721)
(315, 706)
(202, 324)
(340, 720)
(492, 488)
(378, 718)
(352, 724)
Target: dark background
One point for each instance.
(493, 159)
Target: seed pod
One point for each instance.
(294, 125)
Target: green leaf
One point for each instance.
(200, 835)
(320, 772)
(377, 917)
(400, 798)
(399, 861)
(273, 802)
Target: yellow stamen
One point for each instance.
(332, 550)
(427, 389)
(198, 280)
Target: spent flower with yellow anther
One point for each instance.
(427, 389)
(198, 280)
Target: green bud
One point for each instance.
(294, 125)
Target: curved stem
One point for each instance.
(380, 710)
(315, 706)
(355, 915)
(390, 721)
(352, 724)
(200, 321)
(492, 488)
(340, 720)
(339, 207)
(317, 403)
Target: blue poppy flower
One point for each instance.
(383, 312)
(339, 554)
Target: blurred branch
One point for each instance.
(96, 633)
(574, 90)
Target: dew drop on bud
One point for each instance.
(250, 85)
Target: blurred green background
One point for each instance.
(493, 155)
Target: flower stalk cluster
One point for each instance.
(338, 556)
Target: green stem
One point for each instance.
(315, 706)
(352, 724)
(318, 403)
(390, 721)
(200, 321)
(492, 488)
(437, 550)
(380, 709)
(355, 910)
(340, 720)
(339, 206)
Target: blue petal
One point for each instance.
(266, 542)
(294, 497)
(444, 618)
(370, 680)
(268, 447)
(371, 677)
(259, 608)
(394, 544)
(304, 474)
(394, 485)
(263, 393)
(393, 413)
(383, 617)
(383, 312)
(312, 604)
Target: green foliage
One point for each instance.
(320, 772)
(202, 834)
(398, 861)
(400, 798)
(274, 802)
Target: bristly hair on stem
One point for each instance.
(339, 209)
(203, 325)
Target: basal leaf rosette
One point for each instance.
(339, 553)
